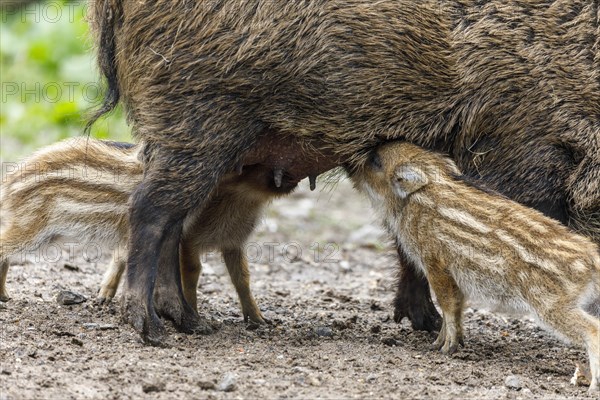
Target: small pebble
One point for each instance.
(228, 382)
(207, 385)
(77, 342)
(314, 381)
(153, 387)
(513, 382)
(67, 298)
(298, 370)
(324, 331)
(389, 341)
(100, 327)
(376, 329)
(71, 267)
(345, 265)
(107, 327)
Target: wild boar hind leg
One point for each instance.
(175, 182)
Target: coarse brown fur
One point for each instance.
(510, 89)
(474, 243)
(80, 189)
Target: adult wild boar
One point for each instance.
(509, 89)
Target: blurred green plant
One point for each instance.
(49, 78)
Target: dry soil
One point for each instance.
(323, 274)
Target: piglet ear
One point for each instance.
(410, 174)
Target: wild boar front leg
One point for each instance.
(156, 224)
(451, 301)
(169, 299)
(580, 326)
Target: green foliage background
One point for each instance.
(46, 56)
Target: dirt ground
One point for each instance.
(323, 274)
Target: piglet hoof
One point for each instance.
(449, 348)
(435, 346)
(144, 321)
(255, 317)
(4, 297)
(105, 295)
(447, 343)
(256, 320)
(103, 299)
(440, 340)
(101, 302)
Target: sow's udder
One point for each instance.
(286, 161)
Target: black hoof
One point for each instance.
(196, 325)
(184, 318)
(147, 324)
(423, 316)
